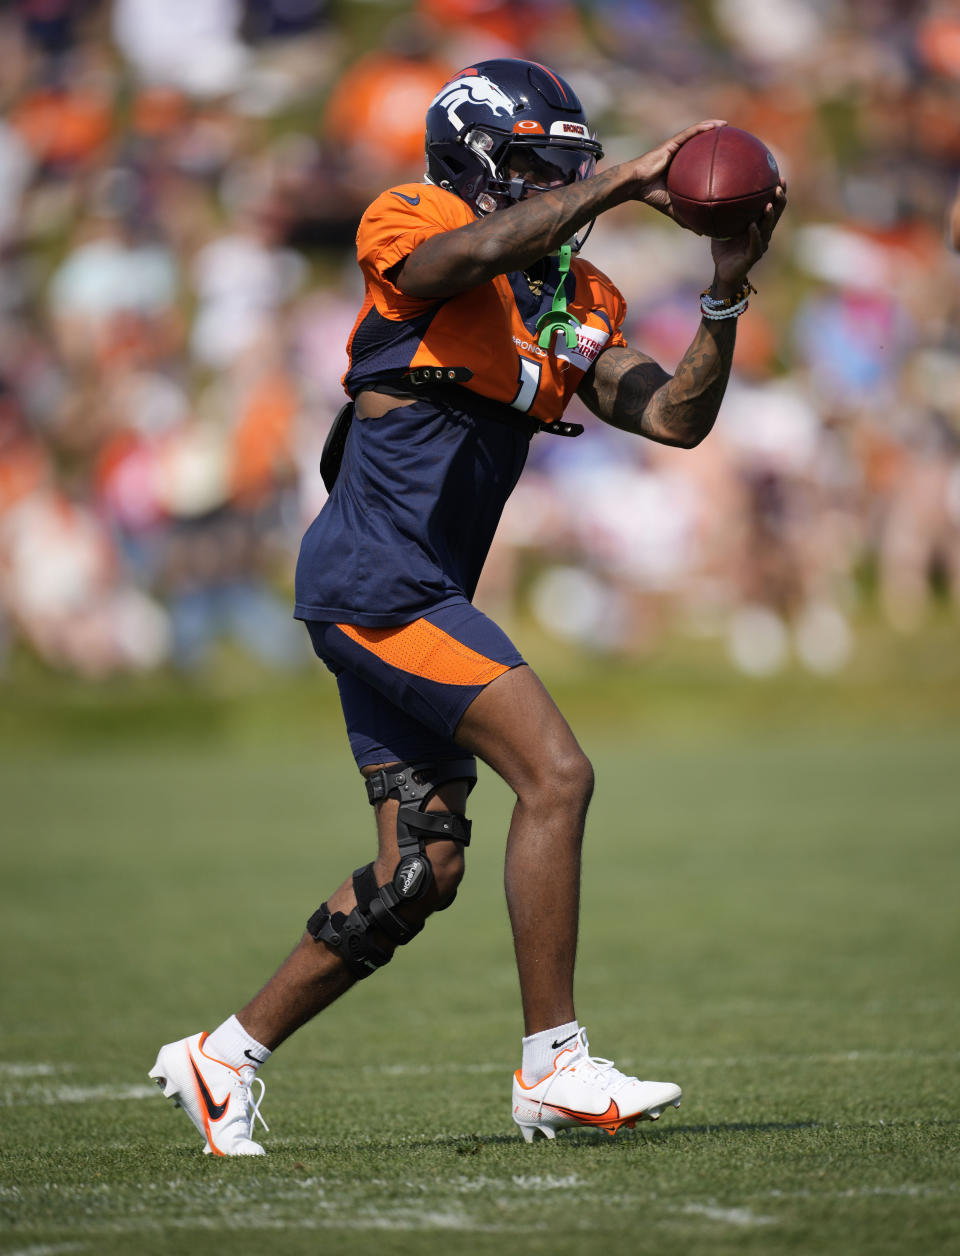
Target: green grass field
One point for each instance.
(770, 918)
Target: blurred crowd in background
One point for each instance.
(180, 184)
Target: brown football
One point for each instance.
(721, 181)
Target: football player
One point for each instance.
(480, 322)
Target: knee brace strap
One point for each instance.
(418, 782)
(350, 936)
(413, 785)
(414, 873)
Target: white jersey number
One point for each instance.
(527, 384)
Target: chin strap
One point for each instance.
(558, 317)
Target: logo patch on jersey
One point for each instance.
(590, 340)
(472, 89)
(527, 346)
(411, 200)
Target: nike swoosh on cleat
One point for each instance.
(250, 1056)
(589, 1118)
(214, 1110)
(411, 200)
(554, 1045)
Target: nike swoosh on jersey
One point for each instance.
(214, 1110)
(411, 200)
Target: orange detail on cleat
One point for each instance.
(610, 1120)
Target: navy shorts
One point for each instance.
(404, 689)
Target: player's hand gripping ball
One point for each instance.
(721, 181)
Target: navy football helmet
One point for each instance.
(501, 128)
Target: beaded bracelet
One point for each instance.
(726, 307)
(733, 311)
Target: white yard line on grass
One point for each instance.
(731, 1216)
(390, 1219)
(15, 1070)
(910, 1190)
(12, 1068)
(44, 1096)
(853, 1056)
(49, 1249)
(16, 1095)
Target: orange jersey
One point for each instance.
(490, 330)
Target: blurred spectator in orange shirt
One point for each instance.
(63, 126)
(375, 114)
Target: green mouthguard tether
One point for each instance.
(558, 317)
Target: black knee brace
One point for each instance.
(413, 785)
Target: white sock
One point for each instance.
(231, 1043)
(540, 1049)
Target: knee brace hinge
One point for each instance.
(413, 785)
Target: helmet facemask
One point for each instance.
(503, 130)
(520, 166)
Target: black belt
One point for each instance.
(449, 379)
(443, 382)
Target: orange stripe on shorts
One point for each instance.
(426, 650)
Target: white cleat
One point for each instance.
(215, 1096)
(583, 1090)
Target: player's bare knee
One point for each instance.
(578, 772)
(562, 781)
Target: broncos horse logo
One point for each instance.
(472, 89)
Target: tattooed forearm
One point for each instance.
(630, 391)
(620, 387)
(684, 410)
(511, 239)
(522, 234)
